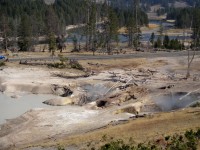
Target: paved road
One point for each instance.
(120, 56)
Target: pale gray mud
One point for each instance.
(13, 107)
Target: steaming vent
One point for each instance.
(173, 101)
(93, 93)
(97, 91)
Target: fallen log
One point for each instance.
(71, 77)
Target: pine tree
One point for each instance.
(137, 24)
(92, 27)
(6, 30)
(87, 25)
(166, 41)
(196, 27)
(52, 22)
(131, 29)
(152, 38)
(25, 34)
(52, 43)
(112, 29)
(91, 31)
(60, 43)
(161, 29)
(158, 43)
(75, 41)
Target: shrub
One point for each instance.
(62, 59)
(2, 64)
(117, 145)
(57, 65)
(197, 104)
(60, 147)
(65, 63)
(188, 141)
(75, 64)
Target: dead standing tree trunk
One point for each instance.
(196, 30)
(190, 60)
(196, 38)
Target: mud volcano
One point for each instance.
(178, 100)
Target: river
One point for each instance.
(145, 36)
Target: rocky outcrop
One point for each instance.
(35, 88)
(62, 91)
(59, 101)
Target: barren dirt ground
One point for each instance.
(128, 87)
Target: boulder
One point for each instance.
(61, 91)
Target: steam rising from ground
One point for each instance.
(95, 92)
(49, 2)
(175, 101)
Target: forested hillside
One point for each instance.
(68, 11)
(26, 20)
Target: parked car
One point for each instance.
(2, 57)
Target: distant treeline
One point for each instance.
(26, 20)
(67, 12)
(185, 18)
(37, 9)
(165, 3)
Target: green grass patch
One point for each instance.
(187, 141)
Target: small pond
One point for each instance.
(13, 107)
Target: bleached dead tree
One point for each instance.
(196, 32)
(189, 62)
